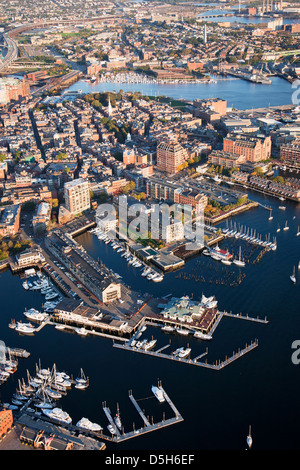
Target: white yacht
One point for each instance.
(149, 345)
(158, 394)
(81, 331)
(85, 423)
(167, 328)
(293, 277)
(200, 335)
(25, 328)
(182, 331)
(286, 226)
(249, 438)
(184, 353)
(57, 414)
(35, 315)
(208, 302)
(51, 295)
(112, 429)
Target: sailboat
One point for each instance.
(249, 438)
(293, 277)
(82, 382)
(271, 217)
(286, 226)
(278, 229)
(117, 419)
(239, 261)
(298, 232)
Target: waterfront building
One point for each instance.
(6, 421)
(290, 153)
(96, 278)
(254, 148)
(29, 258)
(225, 159)
(77, 196)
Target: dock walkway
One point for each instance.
(215, 366)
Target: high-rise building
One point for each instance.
(170, 156)
(77, 196)
(13, 89)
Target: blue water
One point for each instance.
(238, 93)
(260, 388)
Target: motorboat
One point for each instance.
(208, 302)
(167, 328)
(51, 295)
(85, 423)
(249, 438)
(25, 328)
(57, 414)
(112, 429)
(200, 335)
(293, 277)
(184, 353)
(158, 393)
(149, 344)
(286, 226)
(182, 331)
(34, 315)
(81, 331)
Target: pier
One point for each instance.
(218, 365)
(137, 407)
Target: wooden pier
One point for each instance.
(110, 419)
(137, 407)
(215, 366)
(244, 317)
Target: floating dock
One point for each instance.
(215, 366)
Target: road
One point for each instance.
(12, 51)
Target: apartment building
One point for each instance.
(77, 196)
(290, 153)
(170, 156)
(253, 148)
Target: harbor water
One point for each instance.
(259, 389)
(239, 94)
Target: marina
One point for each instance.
(227, 335)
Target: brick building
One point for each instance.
(254, 148)
(6, 421)
(170, 156)
(13, 89)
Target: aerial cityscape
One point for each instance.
(149, 226)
